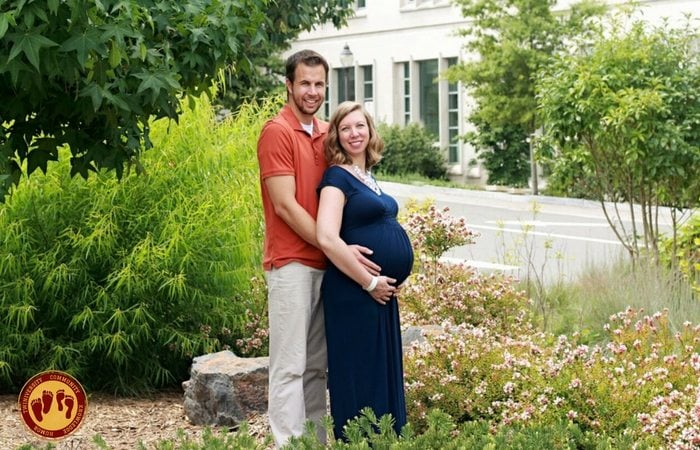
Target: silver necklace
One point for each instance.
(366, 177)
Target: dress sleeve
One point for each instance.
(336, 177)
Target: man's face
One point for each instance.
(307, 93)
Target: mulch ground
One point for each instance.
(123, 423)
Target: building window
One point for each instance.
(452, 118)
(429, 104)
(406, 93)
(346, 84)
(367, 84)
(360, 4)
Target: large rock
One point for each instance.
(418, 334)
(225, 389)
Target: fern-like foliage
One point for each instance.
(121, 283)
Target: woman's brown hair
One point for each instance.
(335, 153)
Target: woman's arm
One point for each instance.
(328, 221)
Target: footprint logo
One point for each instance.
(70, 402)
(42, 406)
(46, 399)
(37, 409)
(52, 404)
(60, 395)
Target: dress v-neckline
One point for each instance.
(349, 172)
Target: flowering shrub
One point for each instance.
(644, 382)
(434, 231)
(452, 292)
(255, 341)
(456, 293)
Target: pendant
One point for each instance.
(366, 177)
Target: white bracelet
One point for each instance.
(372, 284)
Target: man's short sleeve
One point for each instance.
(275, 150)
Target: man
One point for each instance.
(292, 162)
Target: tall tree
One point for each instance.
(624, 113)
(512, 40)
(91, 74)
(285, 19)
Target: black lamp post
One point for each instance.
(346, 60)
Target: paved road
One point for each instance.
(560, 240)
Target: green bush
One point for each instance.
(504, 151)
(410, 149)
(121, 283)
(442, 433)
(687, 251)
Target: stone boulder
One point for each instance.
(418, 334)
(224, 389)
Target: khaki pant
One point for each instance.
(298, 362)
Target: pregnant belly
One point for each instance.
(392, 250)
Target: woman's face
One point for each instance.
(353, 134)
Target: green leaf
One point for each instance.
(42, 154)
(30, 44)
(83, 44)
(53, 6)
(117, 101)
(150, 81)
(95, 93)
(118, 32)
(4, 23)
(115, 56)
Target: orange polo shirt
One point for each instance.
(285, 148)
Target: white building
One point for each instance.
(397, 49)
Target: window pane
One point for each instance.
(453, 120)
(429, 100)
(453, 102)
(368, 83)
(346, 84)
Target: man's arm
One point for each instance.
(282, 190)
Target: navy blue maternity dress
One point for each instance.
(364, 339)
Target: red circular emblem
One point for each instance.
(52, 404)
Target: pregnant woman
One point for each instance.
(365, 366)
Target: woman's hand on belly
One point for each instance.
(384, 290)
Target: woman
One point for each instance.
(361, 311)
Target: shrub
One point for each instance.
(433, 231)
(490, 365)
(410, 149)
(457, 294)
(644, 382)
(441, 434)
(687, 251)
(503, 150)
(122, 283)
